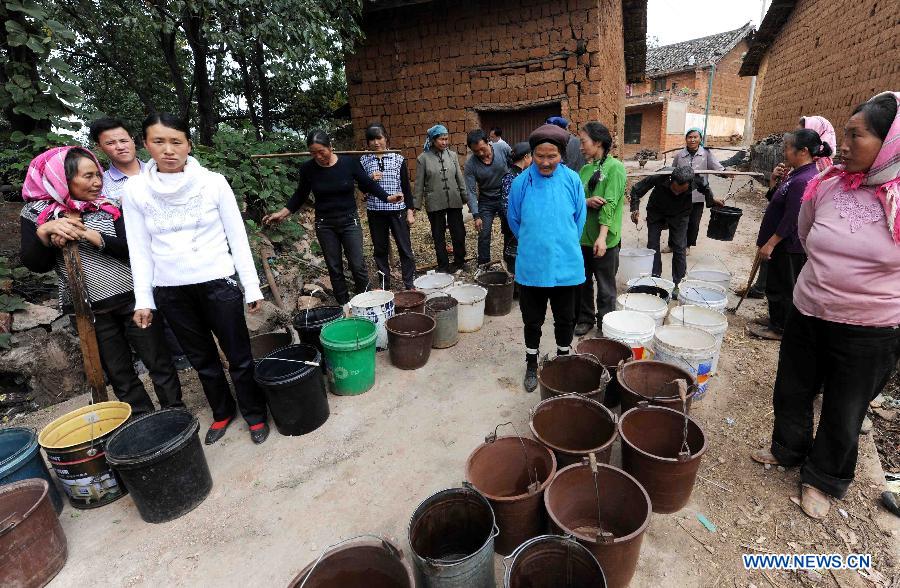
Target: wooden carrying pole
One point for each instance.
(84, 318)
(756, 261)
(308, 154)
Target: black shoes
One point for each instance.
(531, 381)
(217, 431)
(583, 329)
(259, 433)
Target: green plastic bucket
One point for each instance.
(350, 354)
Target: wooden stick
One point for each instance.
(753, 270)
(84, 319)
(716, 484)
(661, 172)
(265, 251)
(308, 154)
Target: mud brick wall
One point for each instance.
(652, 125)
(829, 56)
(443, 62)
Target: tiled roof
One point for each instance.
(700, 52)
(778, 13)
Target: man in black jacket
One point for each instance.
(669, 205)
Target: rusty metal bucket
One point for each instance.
(499, 286)
(662, 448)
(367, 561)
(33, 547)
(552, 561)
(409, 301)
(410, 336)
(512, 473)
(653, 382)
(581, 374)
(607, 512)
(574, 426)
(610, 353)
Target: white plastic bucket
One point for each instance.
(471, 306)
(688, 348)
(376, 306)
(433, 282)
(634, 263)
(713, 322)
(663, 283)
(701, 284)
(714, 276)
(709, 296)
(635, 329)
(653, 306)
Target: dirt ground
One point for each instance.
(275, 507)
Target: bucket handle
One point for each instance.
(685, 453)
(312, 363)
(717, 258)
(384, 543)
(533, 410)
(591, 461)
(534, 483)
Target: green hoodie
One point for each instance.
(611, 188)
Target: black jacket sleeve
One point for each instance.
(301, 194)
(117, 246)
(405, 187)
(367, 184)
(641, 188)
(36, 256)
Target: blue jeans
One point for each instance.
(487, 212)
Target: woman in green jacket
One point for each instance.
(440, 182)
(604, 188)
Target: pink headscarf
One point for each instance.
(884, 173)
(820, 125)
(46, 180)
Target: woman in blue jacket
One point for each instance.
(547, 212)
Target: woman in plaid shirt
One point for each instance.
(386, 218)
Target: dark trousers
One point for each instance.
(116, 335)
(440, 220)
(487, 212)
(510, 244)
(383, 224)
(678, 225)
(783, 271)
(196, 313)
(343, 237)
(693, 228)
(854, 364)
(533, 304)
(762, 276)
(603, 270)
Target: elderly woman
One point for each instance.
(547, 212)
(695, 156)
(843, 336)
(778, 241)
(440, 183)
(187, 240)
(66, 203)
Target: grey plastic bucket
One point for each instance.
(451, 537)
(444, 309)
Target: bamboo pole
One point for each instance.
(84, 319)
(308, 154)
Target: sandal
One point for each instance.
(813, 502)
(763, 332)
(764, 456)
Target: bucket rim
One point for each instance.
(625, 347)
(302, 371)
(727, 210)
(298, 323)
(508, 281)
(434, 276)
(613, 419)
(449, 563)
(58, 422)
(569, 542)
(574, 357)
(154, 454)
(610, 319)
(661, 304)
(372, 541)
(371, 299)
(586, 539)
(670, 328)
(479, 292)
(636, 252)
(720, 319)
(654, 407)
(692, 381)
(517, 497)
(21, 455)
(363, 341)
(27, 484)
(407, 334)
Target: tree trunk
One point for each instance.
(265, 96)
(249, 93)
(206, 96)
(167, 38)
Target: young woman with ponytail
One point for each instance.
(603, 178)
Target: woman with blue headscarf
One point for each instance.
(440, 183)
(695, 156)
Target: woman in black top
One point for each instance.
(332, 179)
(76, 210)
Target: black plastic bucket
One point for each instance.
(160, 459)
(723, 222)
(263, 345)
(309, 323)
(652, 290)
(294, 390)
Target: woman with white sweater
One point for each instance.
(187, 238)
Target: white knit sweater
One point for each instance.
(184, 229)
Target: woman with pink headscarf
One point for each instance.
(64, 199)
(844, 335)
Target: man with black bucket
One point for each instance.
(670, 205)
